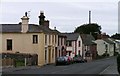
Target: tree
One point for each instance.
(116, 36)
(92, 28)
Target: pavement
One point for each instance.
(12, 69)
(111, 69)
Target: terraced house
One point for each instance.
(30, 39)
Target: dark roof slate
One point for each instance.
(71, 36)
(108, 41)
(87, 39)
(10, 28)
(16, 28)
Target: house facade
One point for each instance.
(61, 45)
(73, 44)
(30, 39)
(89, 47)
(105, 46)
(117, 44)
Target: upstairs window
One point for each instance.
(79, 43)
(55, 39)
(45, 39)
(69, 43)
(35, 39)
(9, 44)
(49, 39)
(61, 41)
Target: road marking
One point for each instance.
(105, 69)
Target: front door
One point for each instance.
(49, 59)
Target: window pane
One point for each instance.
(35, 39)
(9, 44)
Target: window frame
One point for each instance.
(35, 39)
(9, 44)
(79, 43)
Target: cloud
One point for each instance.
(63, 14)
(59, 1)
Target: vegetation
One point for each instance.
(92, 28)
(18, 63)
(118, 63)
(116, 36)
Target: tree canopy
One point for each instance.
(116, 36)
(88, 28)
(92, 28)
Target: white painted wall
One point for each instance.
(69, 49)
(100, 46)
(79, 48)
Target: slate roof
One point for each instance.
(10, 28)
(87, 39)
(16, 28)
(71, 36)
(108, 41)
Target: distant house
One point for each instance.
(60, 50)
(31, 39)
(89, 46)
(73, 44)
(117, 44)
(105, 46)
(61, 45)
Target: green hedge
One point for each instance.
(118, 63)
(18, 63)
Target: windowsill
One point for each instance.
(68, 46)
(9, 50)
(35, 43)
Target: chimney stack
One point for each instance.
(41, 18)
(54, 28)
(46, 23)
(25, 21)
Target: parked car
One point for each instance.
(63, 60)
(78, 59)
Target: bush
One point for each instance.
(19, 63)
(118, 63)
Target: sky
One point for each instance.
(65, 15)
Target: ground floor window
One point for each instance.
(9, 44)
(45, 53)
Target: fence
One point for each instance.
(19, 59)
(7, 62)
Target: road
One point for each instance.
(94, 67)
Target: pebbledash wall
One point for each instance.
(23, 43)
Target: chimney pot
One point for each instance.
(54, 28)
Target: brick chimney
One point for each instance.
(41, 18)
(24, 25)
(46, 23)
